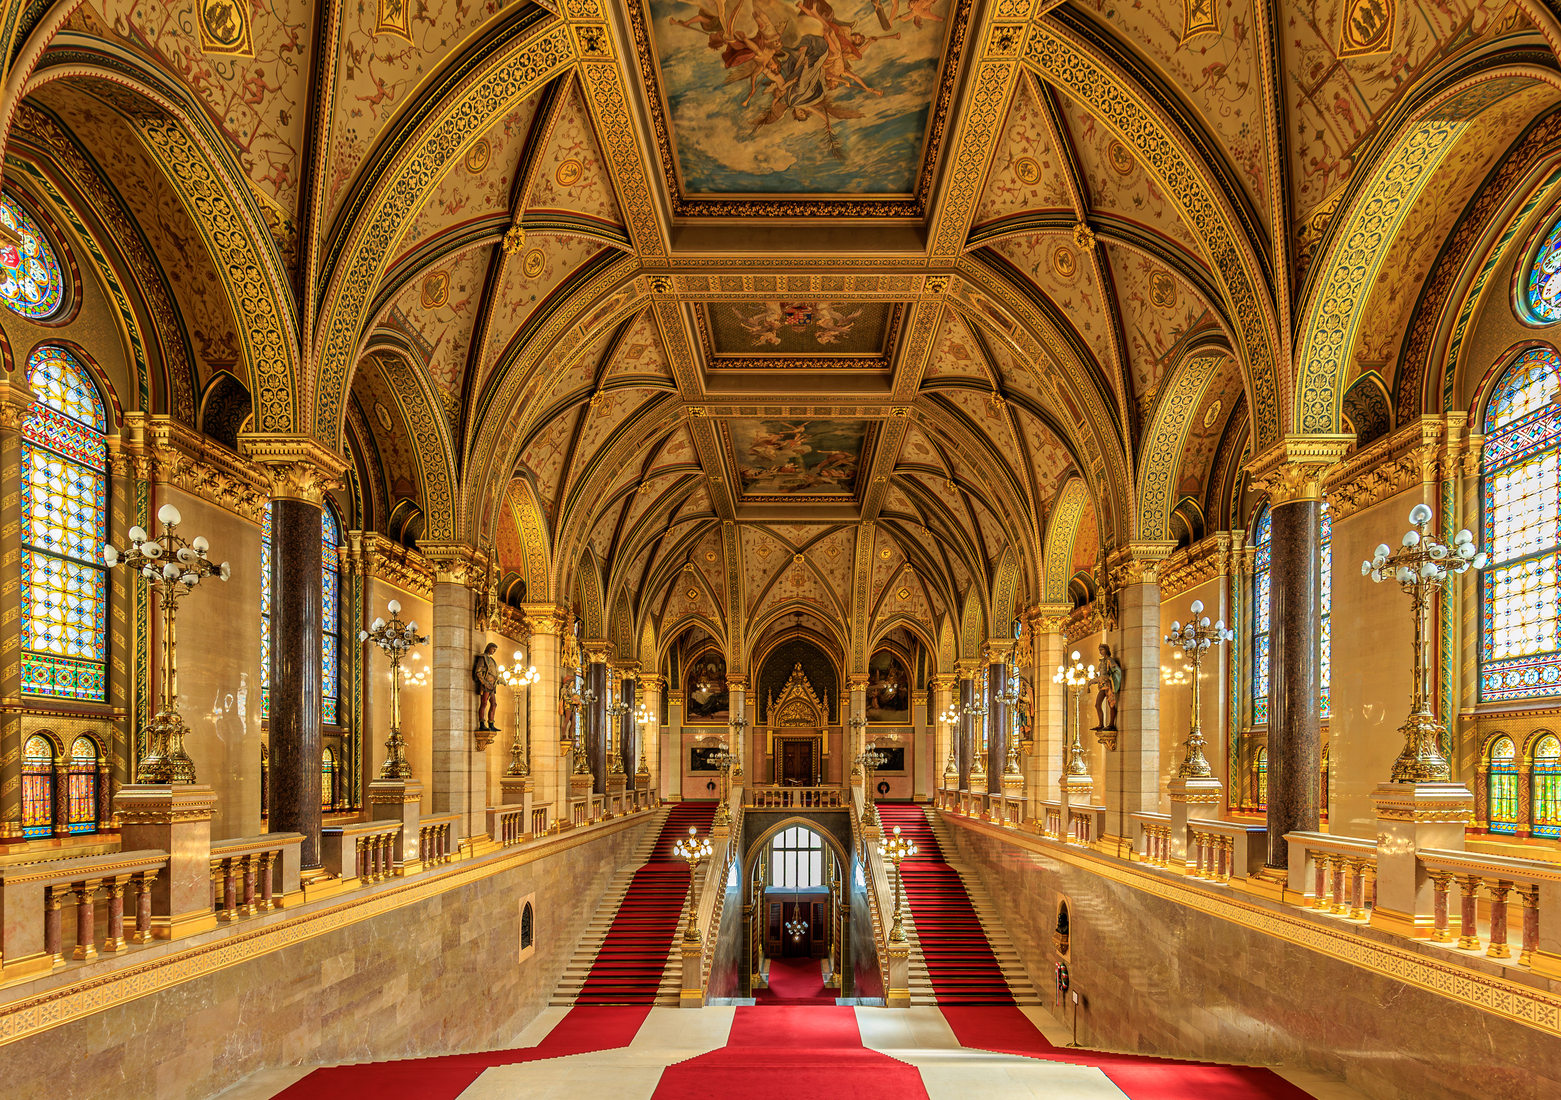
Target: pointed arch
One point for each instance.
(1060, 535)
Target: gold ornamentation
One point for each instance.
(395, 17)
(1199, 17)
(534, 263)
(478, 156)
(1366, 27)
(1120, 159)
(225, 27)
(1064, 262)
(297, 467)
(1137, 562)
(1292, 469)
(1084, 237)
(1028, 170)
(436, 289)
(569, 173)
(514, 240)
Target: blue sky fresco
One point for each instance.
(835, 104)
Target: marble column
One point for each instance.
(549, 768)
(1132, 769)
(295, 692)
(998, 716)
(746, 770)
(1292, 472)
(945, 735)
(596, 720)
(966, 727)
(1047, 703)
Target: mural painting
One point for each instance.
(708, 699)
(799, 328)
(813, 457)
(888, 688)
(805, 98)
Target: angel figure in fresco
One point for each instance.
(916, 11)
(830, 324)
(764, 326)
(837, 468)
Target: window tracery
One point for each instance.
(797, 859)
(1545, 787)
(81, 790)
(30, 279)
(1502, 784)
(1520, 482)
(1543, 291)
(38, 787)
(64, 585)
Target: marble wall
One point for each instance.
(433, 977)
(1157, 977)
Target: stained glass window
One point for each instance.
(797, 859)
(30, 280)
(38, 786)
(81, 788)
(1261, 778)
(1520, 600)
(1546, 787)
(1260, 588)
(327, 779)
(1503, 786)
(330, 616)
(1544, 279)
(64, 525)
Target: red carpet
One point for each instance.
(629, 965)
(782, 1053)
(447, 1076)
(1009, 1031)
(959, 961)
(793, 982)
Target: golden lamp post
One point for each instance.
(869, 759)
(642, 723)
(1194, 639)
(615, 709)
(1074, 678)
(693, 850)
(896, 849)
(395, 638)
(173, 568)
(519, 681)
(1423, 566)
(950, 720)
(977, 710)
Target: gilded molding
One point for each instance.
(1421, 453)
(171, 454)
(1293, 469)
(1048, 618)
(378, 557)
(1203, 561)
(1137, 563)
(298, 467)
(456, 563)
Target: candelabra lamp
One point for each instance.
(796, 927)
(617, 706)
(693, 850)
(976, 711)
(737, 725)
(950, 720)
(867, 761)
(1424, 567)
(1075, 786)
(1013, 685)
(642, 722)
(575, 703)
(173, 568)
(896, 849)
(520, 680)
(1195, 793)
(722, 759)
(395, 638)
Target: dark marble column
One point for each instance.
(628, 743)
(997, 725)
(596, 724)
(1294, 729)
(294, 738)
(967, 730)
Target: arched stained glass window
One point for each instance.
(1543, 293)
(81, 789)
(330, 616)
(527, 927)
(1260, 779)
(1545, 785)
(797, 859)
(38, 786)
(64, 526)
(327, 779)
(30, 280)
(1502, 785)
(1260, 588)
(1520, 488)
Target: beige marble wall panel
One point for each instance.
(1176, 699)
(402, 985)
(219, 663)
(416, 700)
(1373, 643)
(1164, 979)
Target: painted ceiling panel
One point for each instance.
(438, 311)
(392, 435)
(527, 278)
(955, 353)
(1208, 424)
(571, 174)
(1028, 173)
(639, 353)
(1158, 309)
(1052, 262)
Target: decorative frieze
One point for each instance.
(1422, 452)
(1218, 555)
(1293, 469)
(371, 554)
(161, 450)
(298, 467)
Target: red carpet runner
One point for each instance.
(630, 962)
(959, 961)
(795, 982)
(783, 1053)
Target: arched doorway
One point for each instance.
(798, 915)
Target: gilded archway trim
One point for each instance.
(1061, 532)
(432, 444)
(1166, 439)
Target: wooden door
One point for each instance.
(797, 763)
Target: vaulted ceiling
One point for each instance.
(761, 307)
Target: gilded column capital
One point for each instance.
(456, 563)
(297, 467)
(736, 683)
(964, 670)
(652, 681)
(377, 557)
(1293, 469)
(544, 618)
(1047, 618)
(598, 653)
(856, 683)
(16, 398)
(998, 649)
(1137, 562)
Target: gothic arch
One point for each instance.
(1060, 535)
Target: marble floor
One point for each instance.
(920, 1038)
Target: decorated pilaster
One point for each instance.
(742, 739)
(1049, 732)
(999, 711)
(651, 728)
(1291, 471)
(964, 732)
(15, 399)
(300, 472)
(945, 725)
(595, 714)
(549, 764)
(460, 773)
(1133, 768)
(856, 726)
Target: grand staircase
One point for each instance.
(627, 953)
(960, 953)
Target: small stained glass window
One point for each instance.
(64, 512)
(327, 779)
(1503, 786)
(1544, 279)
(81, 790)
(1260, 779)
(1520, 484)
(30, 280)
(1260, 589)
(1546, 787)
(37, 787)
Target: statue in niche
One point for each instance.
(485, 675)
(1108, 684)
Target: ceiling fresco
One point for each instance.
(809, 458)
(774, 327)
(771, 98)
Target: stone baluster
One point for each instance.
(267, 887)
(86, 931)
(1468, 929)
(1320, 881)
(1528, 893)
(1499, 889)
(1441, 881)
(143, 886)
(1338, 866)
(51, 923)
(114, 939)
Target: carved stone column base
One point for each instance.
(1411, 816)
(1192, 799)
(515, 790)
(177, 820)
(399, 800)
